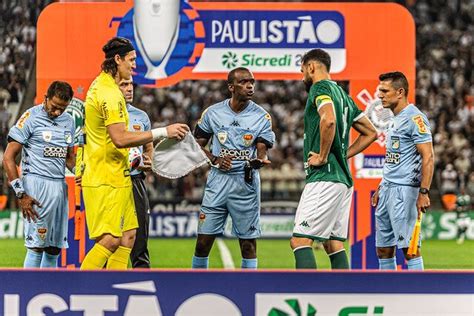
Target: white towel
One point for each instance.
(174, 159)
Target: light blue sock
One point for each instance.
(415, 264)
(388, 264)
(249, 263)
(200, 262)
(32, 259)
(49, 261)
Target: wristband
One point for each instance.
(17, 186)
(159, 133)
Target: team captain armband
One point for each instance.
(322, 100)
(418, 119)
(200, 133)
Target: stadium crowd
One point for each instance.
(444, 90)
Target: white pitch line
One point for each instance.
(225, 254)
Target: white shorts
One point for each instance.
(323, 211)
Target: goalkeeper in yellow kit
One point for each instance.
(106, 183)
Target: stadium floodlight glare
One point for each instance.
(156, 27)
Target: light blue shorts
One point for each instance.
(229, 194)
(50, 229)
(396, 215)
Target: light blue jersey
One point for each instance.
(402, 160)
(236, 134)
(138, 122)
(45, 142)
(233, 134)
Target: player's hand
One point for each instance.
(177, 131)
(146, 163)
(374, 200)
(423, 202)
(26, 206)
(259, 163)
(224, 163)
(316, 160)
(78, 180)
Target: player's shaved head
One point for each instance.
(231, 75)
(318, 55)
(397, 79)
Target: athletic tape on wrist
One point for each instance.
(159, 133)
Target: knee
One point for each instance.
(385, 253)
(52, 250)
(248, 248)
(128, 239)
(110, 242)
(296, 242)
(203, 247)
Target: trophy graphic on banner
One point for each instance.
(156, 28)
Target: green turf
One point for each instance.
(273, 254)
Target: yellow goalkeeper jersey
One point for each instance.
(104, 164)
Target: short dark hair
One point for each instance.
(60, 89)
(319, 55)
(231, 75)
(114, 44)
(397, 78)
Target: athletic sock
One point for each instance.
(32, 259)
(415, 264)
(49, 260)
(249, 263)
(304, 258)
(388, 264)
(96, 258)
(339, 260)
(200, 262)
(119, 259)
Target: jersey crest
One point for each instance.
(222, 137)
(248, 139)
(47, 135)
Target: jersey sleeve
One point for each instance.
(146, 122)
(204, 123)
(321, 95)
(357, 113)
(266, 135)
(113, 108)
(421, 130)
(23, 129)
(73, 131)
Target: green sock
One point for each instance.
(304, 258)
(339, 260)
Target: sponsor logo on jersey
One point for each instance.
(395, 142)
(47, 135)
(22, 120)
(42, 233)
(392, 158)
(136, 127)
(68, 137)
(248, 139)
(418, 119)
(242, 154)
(55, 152)
(222, 137)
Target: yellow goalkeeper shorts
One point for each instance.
(109, 210)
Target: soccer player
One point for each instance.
(241, 133)
(323, 210)
(139, 121)
(44, 136)
(106, 182)
(403, 193)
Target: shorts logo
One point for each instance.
(68, 137)
(248, 139)
(418, 119)
(222, 137)
(42, 233)
(55, 152)
(136, 127)
(395, 142)
(47, 135)
(22, 120)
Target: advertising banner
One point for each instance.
(268, 293)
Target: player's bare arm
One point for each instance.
(223, 163)
(427, 167)
(122, 138)
(327, 129)
(367, 135)
(26, 202)
(70, 158)
(147, 157)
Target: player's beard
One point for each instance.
(308, 83)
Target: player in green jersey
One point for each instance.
(323, 210)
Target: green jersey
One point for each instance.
(346, 112)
